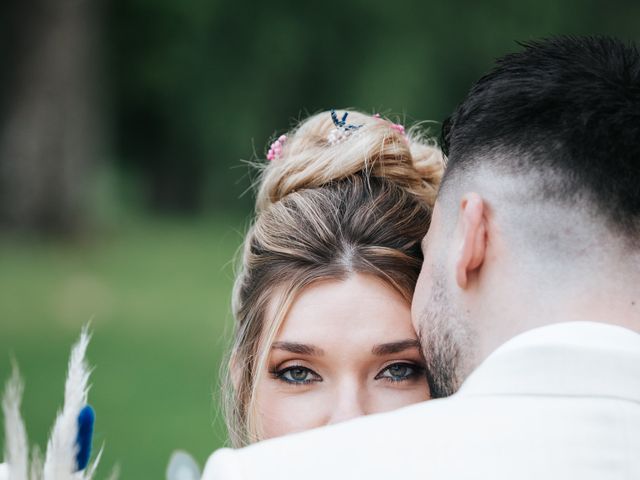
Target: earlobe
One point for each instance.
(473, 238)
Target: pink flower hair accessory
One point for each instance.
(398, 127)
(275, 150)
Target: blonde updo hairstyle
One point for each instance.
(326, 211)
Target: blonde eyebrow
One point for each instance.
(395, 347)
(299, 348)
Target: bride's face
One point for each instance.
(346, 348)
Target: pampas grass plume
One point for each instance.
(60, 459)
(16, 447)
(60, 462)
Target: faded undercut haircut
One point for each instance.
(565, 110)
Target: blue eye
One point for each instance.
(399, 372)
(297, 375)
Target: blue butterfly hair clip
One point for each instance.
(342, 129)
(342, 123)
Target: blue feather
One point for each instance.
(86, 419)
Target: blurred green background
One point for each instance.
(123, 195)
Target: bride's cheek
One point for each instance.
(392, 398)
(293, 411)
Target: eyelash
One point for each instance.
(417, 371)
(280, 375)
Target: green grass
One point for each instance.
(158, 294)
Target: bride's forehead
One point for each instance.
(361, 309)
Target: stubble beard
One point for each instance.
(447, 344)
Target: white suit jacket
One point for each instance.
(559, 402)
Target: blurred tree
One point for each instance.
(194, 86)
(48, 133)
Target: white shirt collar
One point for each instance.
(569, 359)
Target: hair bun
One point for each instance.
(309, 160)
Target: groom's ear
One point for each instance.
(472, 237)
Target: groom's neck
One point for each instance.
(605, 292)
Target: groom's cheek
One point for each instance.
(420, 295)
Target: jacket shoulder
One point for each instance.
(222, 465)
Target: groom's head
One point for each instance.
(538, 216)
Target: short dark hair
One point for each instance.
(569, 106)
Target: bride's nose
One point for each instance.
(350, 402)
